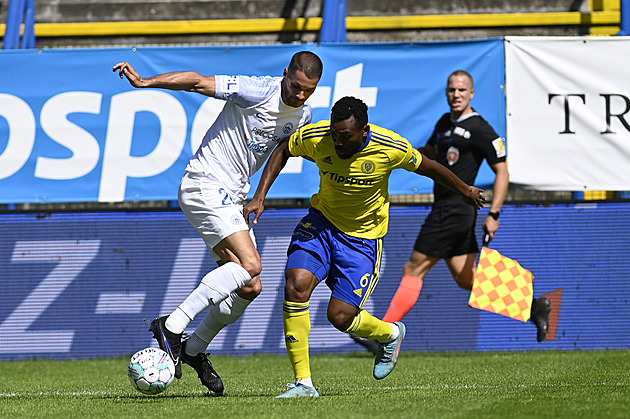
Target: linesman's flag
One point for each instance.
(502, 286)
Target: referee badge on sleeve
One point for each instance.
(499, 147)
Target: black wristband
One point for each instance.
(494, 215)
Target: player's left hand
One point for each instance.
(256, 207)
(490, 227)
(474, 197)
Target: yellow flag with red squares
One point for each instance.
(502, 286)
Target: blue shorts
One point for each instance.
(350, 265)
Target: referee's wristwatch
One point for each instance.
(494, 215)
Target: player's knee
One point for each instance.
(341, 320)
(251, 290)
(299, 286)
(252, 265)
(294, 291)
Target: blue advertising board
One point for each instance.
(83, 285)
(72, 131)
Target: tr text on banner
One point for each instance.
(568, 112)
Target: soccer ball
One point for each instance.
(151, 371)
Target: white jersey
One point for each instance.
(252, 122)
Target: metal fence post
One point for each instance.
(625, 18)
(20, 11)
(334, 21)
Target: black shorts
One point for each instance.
(448, 231)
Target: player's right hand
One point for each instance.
(126, 70)
(474, 197)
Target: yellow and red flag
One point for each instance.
(502, 286)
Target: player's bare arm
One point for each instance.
(501, 184)
(428, 150)
(471, 195)
(276, 162)
(190, 81)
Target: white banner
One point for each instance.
(568, 112)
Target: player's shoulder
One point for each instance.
(309, 137)
(388, 140)
(445, 120)
(475, 120)
(263, 85)
(262, 80)
(446, 117)
(315, 132)
(307, 113)
(480, 128)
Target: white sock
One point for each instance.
(177, 321)
(306, 381)
(395, 333)
(219, 315)
(195, 345)
(215, 287)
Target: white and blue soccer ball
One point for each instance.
(151, 371)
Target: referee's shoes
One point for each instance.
(540, 316)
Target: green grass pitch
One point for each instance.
(536, 384)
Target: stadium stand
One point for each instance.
(90, 23)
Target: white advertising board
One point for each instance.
(568, 112)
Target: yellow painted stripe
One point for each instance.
(605, 30)
(353, 23)
(482, 20)
(177, 27)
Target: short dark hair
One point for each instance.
(350, 106)
(308, 63)
(462, 73)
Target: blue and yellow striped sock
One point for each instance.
(297, 327)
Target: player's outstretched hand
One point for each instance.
(256, 207)
(474, 197)
(125, 69)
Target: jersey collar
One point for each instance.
(367, 140)
(465, 117)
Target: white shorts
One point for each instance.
(211, 209)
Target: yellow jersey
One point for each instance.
(353, 192)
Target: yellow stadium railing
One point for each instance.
(603, 22)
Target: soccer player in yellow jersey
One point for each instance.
(340, 239)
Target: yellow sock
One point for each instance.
(367, 326)
(297, 327)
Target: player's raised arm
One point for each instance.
(180, 80)
(470, 194)
(277, 161)
(500, 189)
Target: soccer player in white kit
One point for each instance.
(258, 113)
